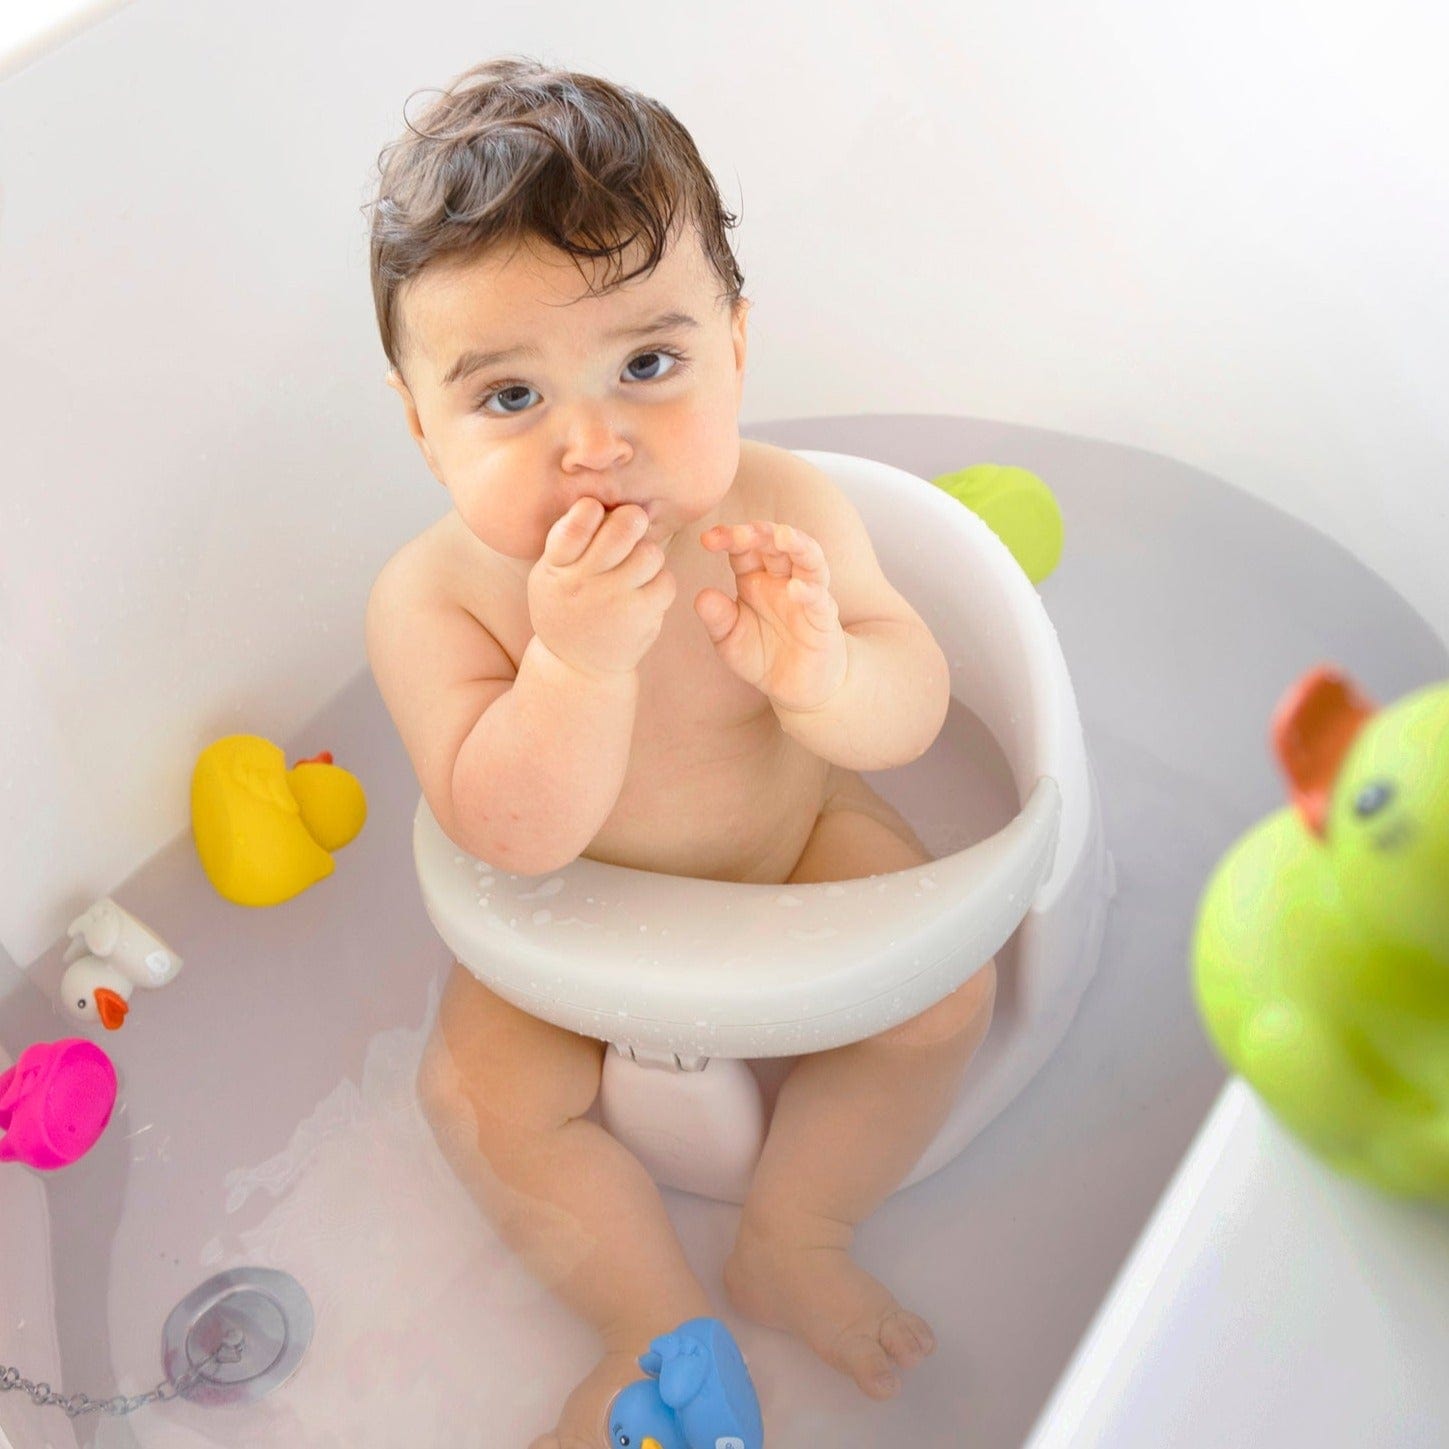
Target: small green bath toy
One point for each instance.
(1018, 508)
(1321, 953)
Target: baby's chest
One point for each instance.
(693, 712)
(714, 786)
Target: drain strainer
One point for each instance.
(270, 1311)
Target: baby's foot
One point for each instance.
(583, 1424)
(805, 1282)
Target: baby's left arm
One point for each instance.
(851, 670)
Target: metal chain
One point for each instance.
(230, 1351)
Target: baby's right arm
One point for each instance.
(523, 771)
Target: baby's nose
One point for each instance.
(594, 444)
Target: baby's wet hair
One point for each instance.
(514, 150)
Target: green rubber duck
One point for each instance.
(1018, 508)
(1321, 951)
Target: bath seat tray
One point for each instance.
(674, 964)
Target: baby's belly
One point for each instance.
(740, 811)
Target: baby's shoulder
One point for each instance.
(778, 483)
(435, 575)
(436, 566)
(411, 576)
(787, 488)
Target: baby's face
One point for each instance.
(601, 396)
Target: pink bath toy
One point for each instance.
(55, 1103)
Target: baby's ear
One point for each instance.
(394, 380)
(740, 316)
(739, 336)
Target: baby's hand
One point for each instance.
(782, 634)
(598, 595)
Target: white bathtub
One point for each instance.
(198, 483)
(267, 1113)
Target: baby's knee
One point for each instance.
(507, 1085)
(966, 1010)
(448, 1105)
(439, 1083)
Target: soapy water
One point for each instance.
(428, 1326)
(551, 887)
(429, 1330)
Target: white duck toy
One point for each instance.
(113, 953)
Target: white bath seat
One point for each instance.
(699, 976)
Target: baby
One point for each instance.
(639, 638)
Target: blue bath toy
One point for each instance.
(698, 1395)
(640, 1419)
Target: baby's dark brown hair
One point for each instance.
(513, 150)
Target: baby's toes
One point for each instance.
(862, 1357)
(906, 1337)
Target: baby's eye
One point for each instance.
(655, 357)
(503, 392)
(659, 363)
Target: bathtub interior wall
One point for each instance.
(269, 1115)
(37, 1289)
(27, 1324)
(203, 469)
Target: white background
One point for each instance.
(1213, 232)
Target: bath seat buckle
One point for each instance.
(661, 1060)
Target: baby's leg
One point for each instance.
(849, 1124)
(506, 1094)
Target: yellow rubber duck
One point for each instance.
(264, 832)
